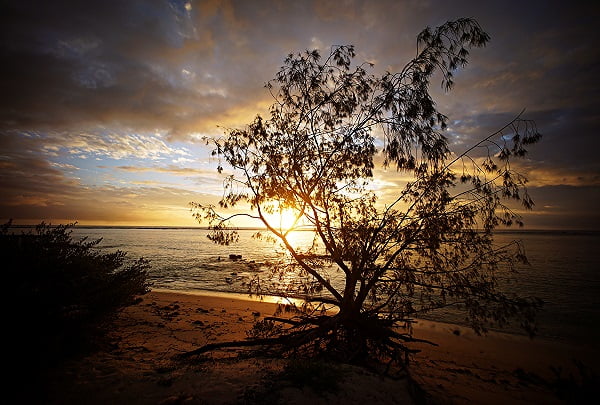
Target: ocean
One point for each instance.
(564, 270)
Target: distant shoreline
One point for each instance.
(242, 228)
(503, 231)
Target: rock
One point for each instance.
(235, 257)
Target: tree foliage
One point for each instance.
(432, 246)
(61, 293)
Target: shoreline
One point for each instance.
(271, 299)
(449, 325)
(141, 366)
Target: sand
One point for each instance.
(498, 368)
(141, 366)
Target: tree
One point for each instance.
(431, 246)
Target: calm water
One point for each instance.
(564, 270)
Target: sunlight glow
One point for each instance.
(285, 219)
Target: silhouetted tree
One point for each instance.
(431, 246)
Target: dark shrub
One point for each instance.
(60, 294)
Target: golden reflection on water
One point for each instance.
(301, 240)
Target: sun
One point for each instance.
(285, 219)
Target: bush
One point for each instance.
(60, 293)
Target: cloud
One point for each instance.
(33, 191)
(65, 166)
(564, 207)
(113, 143)
(114, 62)
(141, 82)
(181, 67)
(171, 169)
(34, 187)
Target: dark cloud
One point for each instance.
(73, 64)
(164, 65)
(565, 207)
(100, 78)
(27, 176)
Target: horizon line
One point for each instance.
(254, 228)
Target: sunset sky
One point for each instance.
(105, 103)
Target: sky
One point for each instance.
(105, 104)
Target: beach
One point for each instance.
(562, 271)
(141, 366)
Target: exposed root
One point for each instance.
(347, 340)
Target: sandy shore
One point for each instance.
(499, 368)
(139, 367)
